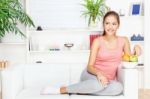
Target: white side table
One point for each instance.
(141, 75)
(3, 65)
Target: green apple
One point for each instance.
(133, 58)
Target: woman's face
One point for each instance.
(111, 25)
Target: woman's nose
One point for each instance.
(110, 26)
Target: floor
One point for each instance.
(143, 94)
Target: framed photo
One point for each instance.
(136, 8)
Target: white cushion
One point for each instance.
(34, 93)
(50, 90)
(95, 97)
(40, 75)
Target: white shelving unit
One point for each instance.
(40, 43)
(59, 56)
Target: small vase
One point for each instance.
(93, 24)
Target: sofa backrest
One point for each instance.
(40, 75)
(75, 71)
(58, 74)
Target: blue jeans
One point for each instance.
(89, 84)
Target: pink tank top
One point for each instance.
(107, 60)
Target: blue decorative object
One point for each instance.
(133, 38)
(137, 38)
(136, 9)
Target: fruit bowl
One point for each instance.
(129, 64)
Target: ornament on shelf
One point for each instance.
(68, 45)
(137, 38)
(122, 12)
(39, 28)
(3, 64)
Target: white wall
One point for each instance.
(56, 13)
(147, 47)
(67, 14)
(14, 54)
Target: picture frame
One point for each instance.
(136, 8)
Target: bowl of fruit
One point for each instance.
(129, 61)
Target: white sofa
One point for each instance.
(25, 81)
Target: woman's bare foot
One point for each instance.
(63, 90)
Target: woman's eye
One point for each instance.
(106, 23)
(114, 24)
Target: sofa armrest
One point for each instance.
(12, 81)
(129, 79)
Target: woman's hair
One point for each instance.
(111, 13)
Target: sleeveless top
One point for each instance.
(107, 60)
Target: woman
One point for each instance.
(99, 78)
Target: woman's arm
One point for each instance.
(92, 57)
(91, 69)
(137, 50)
(127, 50)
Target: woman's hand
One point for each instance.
(137, 50)
(101, 78)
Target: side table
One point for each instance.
(3, 65)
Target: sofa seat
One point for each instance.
(96, 97)
(34, 93)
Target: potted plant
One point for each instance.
(94, 10)
(12, 13)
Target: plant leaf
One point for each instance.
(94, 9)
(11, 12)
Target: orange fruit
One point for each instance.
(126, 57)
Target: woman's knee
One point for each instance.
(96, 86)
(114, 88)
(118, 88)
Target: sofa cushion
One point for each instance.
(41, 75)
(34, 93)
(75, 72)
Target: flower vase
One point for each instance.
(93, 24)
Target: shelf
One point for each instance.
(61, 51)
(13, 43)
(140, 67)
(132, 17)
(70, 29)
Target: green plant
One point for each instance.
(11, 13)
(94, 9)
